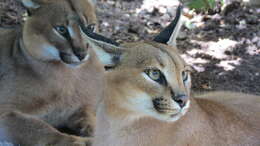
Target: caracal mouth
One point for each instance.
(172, 114)
(72, 60)
(182, 111)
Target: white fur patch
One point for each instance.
(44, 51)
(86, 58)
(77, 65)
(71, 32)
(50, 52)
(186, 107)
(75, 59)
(103, 56)
(142, 105)
(181, 112)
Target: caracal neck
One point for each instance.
(144, 131)
(208, 122)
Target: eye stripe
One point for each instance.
(185, 76)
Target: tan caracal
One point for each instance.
(147, 100)
(49, 78)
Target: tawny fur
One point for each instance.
(206, 123)
(40, 92)
(126, 117)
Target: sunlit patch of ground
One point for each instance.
(159, 5)
(215, 50)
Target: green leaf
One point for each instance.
(202, 4)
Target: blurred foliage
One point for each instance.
(203, 5)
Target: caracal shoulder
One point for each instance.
(245, 106)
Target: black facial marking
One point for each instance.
(91, 27)
(109, 67)
(158, 101)
(160, 104)
(185, 76)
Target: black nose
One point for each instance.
(181, 99)
(81, 55)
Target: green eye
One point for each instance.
(156, 75)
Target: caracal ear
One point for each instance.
(170, 33)
(108, 51)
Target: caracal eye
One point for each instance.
(154, 74)
(61, 29)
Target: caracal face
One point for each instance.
(157, 80)
(144, 78)
(52, 31)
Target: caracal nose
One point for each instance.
(80, 52)
(181, 99)
(81, 55)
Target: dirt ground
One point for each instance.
(223, 46)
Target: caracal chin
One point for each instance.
(148, 103)
(49, 77)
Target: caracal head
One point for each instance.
(145, 78)
(52, 30)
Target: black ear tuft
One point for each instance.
(108, 51)
(165, 35)
(91, 34)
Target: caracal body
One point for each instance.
(49, 77)
(148, 103)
